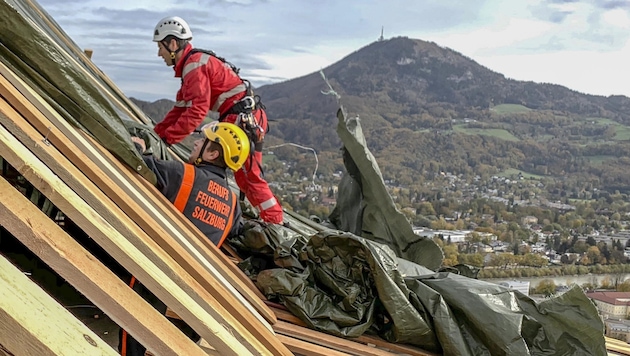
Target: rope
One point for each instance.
(304, 148)
(330, 90)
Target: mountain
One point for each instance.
(426, 109)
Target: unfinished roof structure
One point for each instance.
(67, 161)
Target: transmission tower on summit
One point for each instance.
(381, 38)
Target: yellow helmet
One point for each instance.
(234, 141)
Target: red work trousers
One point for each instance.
(250, 178)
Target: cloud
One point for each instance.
(609, 5)
(276, 40)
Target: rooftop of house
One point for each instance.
(615, 298)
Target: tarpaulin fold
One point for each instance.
(32, 49)
(347, 285)
(367, 209)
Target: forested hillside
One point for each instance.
(426, 109)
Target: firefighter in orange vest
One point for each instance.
(210, 83)
(199, 189)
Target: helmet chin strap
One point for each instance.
(199, 160)
(173, 53)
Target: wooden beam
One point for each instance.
(33, 323)
(138, 256)
(285, 315)
(295, 330)
(5, 352)
(300, 347)
(138, 209)
(326, 340)
(108, 175)
(251, 328)
(89, 276)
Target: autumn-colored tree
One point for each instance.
(545, 287)
(594, 255)
(624, 287)
(606, 283)
(450, 255)
(442, 224)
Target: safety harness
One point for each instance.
(209, 52)
(244, 108)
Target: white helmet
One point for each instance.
(173, 26)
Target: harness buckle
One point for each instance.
(248, 103)
(248, 123)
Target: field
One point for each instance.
(598, 159)
(498, 133)
(510, 109)
(622, 132)
(513, 172)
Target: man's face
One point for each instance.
(165, 53)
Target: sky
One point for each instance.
(583, 45)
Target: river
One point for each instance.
(565, 280)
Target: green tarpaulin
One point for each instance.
(31, 46)
(344, 284)
(364, 272)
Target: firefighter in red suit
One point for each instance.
(209, 83)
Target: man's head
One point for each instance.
(224, 145)
(171, 34)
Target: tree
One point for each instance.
(624, 287)
(606, 283)
(593, 254)
(426, 208)
(533, 260)
(546, 287)
(581, 247)
(442, 224)
(450, 254)
(473, 259)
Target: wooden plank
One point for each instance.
(246, 325)
(108, 176)
(199, 267)
(251, 325)
(89, 276)
(329, 341)
(106, 208)
(363, 345)
(138, 256)
(286, 316)
(307, 349)
(33, 323)
(55, 137)
(4, 351)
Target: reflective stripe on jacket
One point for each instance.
(207, 84)
(202, 194)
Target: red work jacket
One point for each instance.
(208, 84)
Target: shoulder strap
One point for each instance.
(207, 51)
(185, 188)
